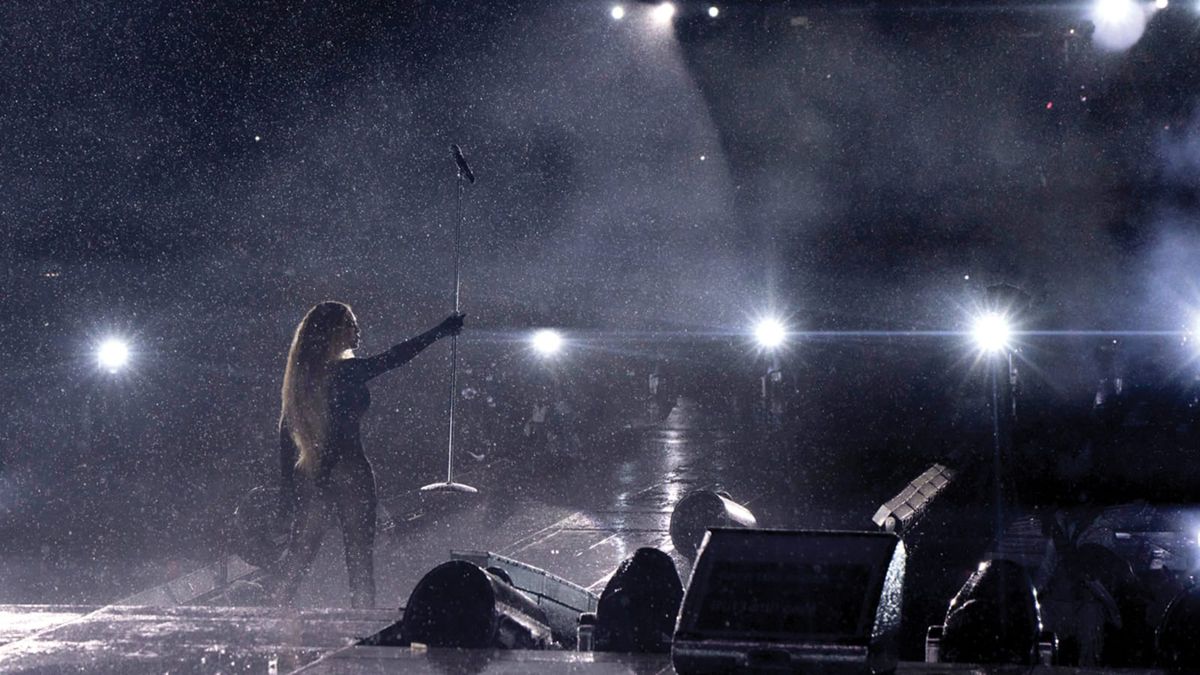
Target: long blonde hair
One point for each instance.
(316, 347)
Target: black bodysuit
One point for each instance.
(343, 484)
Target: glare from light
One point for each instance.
(1162, 4)
(770, 333)
(713, 11)
(547, 342)
(663, 13)
(618, 12)
(991, 333)
(1119, 23)
(112, 355)
(1111, 11)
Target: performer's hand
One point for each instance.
(452, 325)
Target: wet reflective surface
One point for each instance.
(175, 639)
(578, 516)
(575, 515)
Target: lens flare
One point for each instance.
(663, 13)
(991, 333)
(547, 342)
(1119, 23)
(112, 355)
(770, 333)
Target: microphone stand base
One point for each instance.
(449, 487)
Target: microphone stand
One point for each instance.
(449, 485)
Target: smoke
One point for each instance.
(1170, 269)
(894, 158)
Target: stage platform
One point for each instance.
(128, 639)
(205, 640)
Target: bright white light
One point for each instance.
(112, 355)
(770, 333)
(663, 13)
(1162, 4)
(713, 11)
(991, 332)
(1113, 10)
(618, 12)
(547, 342)
(1119, 23)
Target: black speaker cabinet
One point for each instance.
(766, 600)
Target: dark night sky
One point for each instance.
(194, 175)
(254, 153)
(246, 152)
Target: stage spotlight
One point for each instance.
(1119, 23)
(663, 13)
(618, 12)
(112, 355)
(1161, 4)
(547, 342)
(1112, 11)
(714, 12)
(770, 333)
(991, 333)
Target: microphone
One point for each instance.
(464, 169)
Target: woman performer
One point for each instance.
(324, 470)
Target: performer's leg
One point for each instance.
(354, 483)
(308, 528)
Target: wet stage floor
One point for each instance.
(576, 517)
(579, 517)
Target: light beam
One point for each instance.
(770, 333)
(112, 354)
(991, 332)
(1119, 23)
(547, 342)
(662, 14)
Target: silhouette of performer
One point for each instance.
(324, 471)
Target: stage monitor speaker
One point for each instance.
(459, 604)
(791, 600)
(639, 606)
(700, 510)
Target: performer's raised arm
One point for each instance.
(404, 352)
